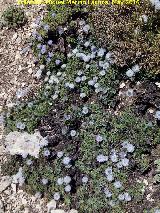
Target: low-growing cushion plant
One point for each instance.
(95, 152)
(132, 32)
(13, 17)
(98, 153)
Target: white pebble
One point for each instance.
(42, 67)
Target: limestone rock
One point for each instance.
(1, 207)
(51, 206)
(73, 211)
(58, 211)
(4, 183)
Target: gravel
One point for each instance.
(17, 71)
(4, 183)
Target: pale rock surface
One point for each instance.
(4, 183)
(1, 207)
(51, 206)
(73, 211)
(58, 211)
(25, 144)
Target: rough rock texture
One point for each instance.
(4, 183)
(25, 144)
(16, 71)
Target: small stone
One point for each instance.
(33, 25)
(51, 206)
(122, 85)
(14, 187)
(18, 56)
(7, 192)
(58, 211)
(24, 201)
(1, 207)
(73, 211)
(18, 40)
(30, 71)
(2, 148)
(151, 111)
(158, 84)
(4, 183)
(26, 210)
(42, 67)
(14, 36)
(145, 182)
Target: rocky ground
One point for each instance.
(17, 71)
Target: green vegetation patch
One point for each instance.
(95, 152)
(13, 17)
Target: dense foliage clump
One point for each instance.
(99, 139)
(13, 17)
(132, 32)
